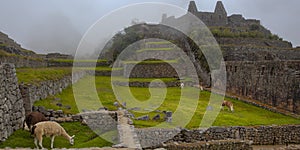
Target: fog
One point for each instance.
(46, 26)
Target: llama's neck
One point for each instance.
(65, 135)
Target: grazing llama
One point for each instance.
(49, 128)
(33, 118)
(228, 104)
(181, 85)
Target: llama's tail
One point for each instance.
(32, 129)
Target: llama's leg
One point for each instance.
(52, 141)
(40, 138)
(35, 143)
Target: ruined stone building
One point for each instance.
(261, 67)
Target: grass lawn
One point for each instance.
(36, 75)
(244, 115)
(84, 137)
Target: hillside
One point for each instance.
(11, 47)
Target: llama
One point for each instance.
(228, 104)
(49, 128)
(181, 85)
(33, 118)
(198, 86)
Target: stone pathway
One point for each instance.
(127, 136)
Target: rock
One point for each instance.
(102, 109)
(119, 146)
(124, 104)
(167, 113)
(59, 104)
(68, 107)
(209, 108)
(130, 115)
(144, 118)
(84, 122)
(168, 119)
(41, 109)
(116, 104)
(156, 117)
(135, 108)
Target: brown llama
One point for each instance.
(33, 118)
(228, 104)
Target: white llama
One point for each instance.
(49, 128)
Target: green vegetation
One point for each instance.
(79, 60)
(143, 79)
(3, 44)
(244, 115)
(4, 53)
(151, 61)
(159, 42)
(155, 49)
(101, 68)
(84, 137)
(37, 75)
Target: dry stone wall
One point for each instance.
(20, 61)
(259, 135)
(275, 83)
(11, 104)
(34, 92)
(151, 70)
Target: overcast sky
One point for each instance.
(58, 25)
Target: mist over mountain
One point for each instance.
(58, 25)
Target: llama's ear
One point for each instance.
(72, 136)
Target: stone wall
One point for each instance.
(54, 63)
(153, 84)
(35, 92)
(250, 53)
(260, 135)
(212, 145)
(152, 137)
(275, 83)
(11, 104)
(156, 54)
(103, 123)
(254, 42)
(20, 61)
(150, 70)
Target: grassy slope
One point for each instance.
(84, 137)
(244, 115)
(36, 75)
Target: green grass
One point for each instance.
(79, 60)
(244, 115)
(155, 49)
(37, 75)
(151, 62)
(84, 137)
(121, 78)
(100, 68)
(159, 43)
